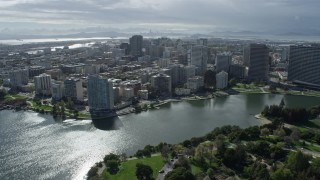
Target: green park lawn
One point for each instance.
(44, 107)
(195, 169)
(14, 97)
(128, 168)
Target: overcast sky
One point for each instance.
(174, 15)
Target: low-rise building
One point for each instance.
(182, 91)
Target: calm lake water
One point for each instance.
(34, 146)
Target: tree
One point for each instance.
(315, 167)
(112, 166)
(143, 172)
(3, 93)
(70, 104)
(298, 162)
(183, 162)
(257, 171)
(111, 156)
(179, 174)
(283, 174)
(165, 152)
(210, 173)
(235, 158)
(92, 172)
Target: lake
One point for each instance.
(35, 146)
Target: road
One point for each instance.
(166, 168)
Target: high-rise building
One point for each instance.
(73, 89)
(195, 83)
(304, 64)
(258, 62)
(42, 84)
(136, 45)
(35, 71)
(19, 77)
(57, 89)
(100, 93)
(238, 71)
(246, 56)
(161, 83)
(202, 41)
(223, 62)
(198, 57)
(222, 80)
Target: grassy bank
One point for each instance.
(128, 168)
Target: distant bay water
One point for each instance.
(35, 146)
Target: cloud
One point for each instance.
(208, 15)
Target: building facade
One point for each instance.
(198, 57)
(100, 93)
(136, 45)
(259, 62)
(222, 80)
(161, 83)
(223, 62)
(19, 77)
(73, 89)
(304, 64)
(57, 89)
(42, 84)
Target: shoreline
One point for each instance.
(262, 119)
(265, 121)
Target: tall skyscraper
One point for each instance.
(198, 57)
(136, 45)
(100, 94)
(304, 64)
(42, 84)
(258, 62)
(223, 62)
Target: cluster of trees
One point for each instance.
(143, 172)
(59, 108)
(290, 115)
(112, 162)
(251, 153)
(3, 93)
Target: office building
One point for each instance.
(222, 80)
(195, 83)
(238, 71)
(136, 45)
(73, 89)
(258, 62)
(100, 93)
(198, 57)
(202, 41)
(42, 84)
(223, 62)
(57, 90)
(161, 83)
(19, 77)
(304, 65)
(35, 71)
